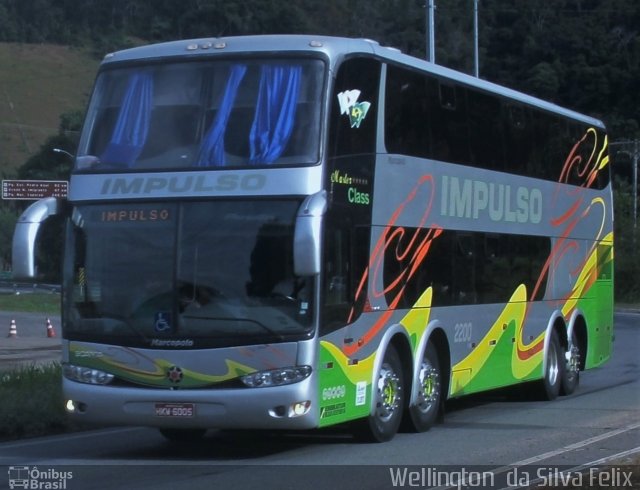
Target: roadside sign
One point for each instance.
(34, 189)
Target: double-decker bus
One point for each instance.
(293, 232)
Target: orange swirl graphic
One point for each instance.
(413, 248)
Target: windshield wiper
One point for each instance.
(266, 328)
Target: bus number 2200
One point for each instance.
(462, 332)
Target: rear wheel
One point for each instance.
(388, 393)
(554, 369)
(571, 375)
(424, 413)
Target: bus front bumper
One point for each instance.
(279, 407)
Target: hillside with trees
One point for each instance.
(582, 54)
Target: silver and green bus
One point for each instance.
(294, 232)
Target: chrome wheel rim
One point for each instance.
(389, 393)
(553, 368)
(428, 388)
(572, 357)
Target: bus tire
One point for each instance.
(421, 416)
(554, 369)
(182, 435)
(388, 391)
(571, 374)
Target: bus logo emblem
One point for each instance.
(174, 373)
(350, 106)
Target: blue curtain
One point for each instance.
(212, 149)
(275, 112)
(132, 126)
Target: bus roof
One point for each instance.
(334, 48)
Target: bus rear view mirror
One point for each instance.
(25, 236)
(306, 240)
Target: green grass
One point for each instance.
(32, 403)
(48, 303)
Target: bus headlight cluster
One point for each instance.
(86, 375)
(276, 377)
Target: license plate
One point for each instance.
(179, 410)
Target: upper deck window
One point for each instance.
(204, 114)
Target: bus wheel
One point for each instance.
(424, 413)
(388, 391)
(183, 435)
(571, 374)
(554, 371)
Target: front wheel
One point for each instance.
(424, 413)
(388, 391)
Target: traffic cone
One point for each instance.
(13, 330)
(50, 331)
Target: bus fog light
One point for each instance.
(73, 406)
(298, 409)
(276, 377)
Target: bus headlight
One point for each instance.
(86, 375)
(276, 377)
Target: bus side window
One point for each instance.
(409, 98)
(486, 134)
(346, 256)
(335, 288)
(452, 140)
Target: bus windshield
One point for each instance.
(214, 113)
(216, 273)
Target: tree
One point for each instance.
(627, 238)
(8, 218)
(581, 54)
